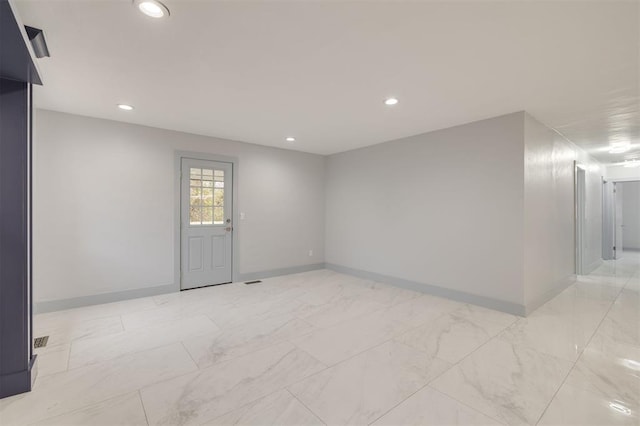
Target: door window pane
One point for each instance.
(195, 198)
(195, 173)
(218, 215)
(194, 215)
(207, 215)
(218, 197)
(206, 196)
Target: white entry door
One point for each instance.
(206, 226)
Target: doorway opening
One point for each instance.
(621, 218)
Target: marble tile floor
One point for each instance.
(326, 348)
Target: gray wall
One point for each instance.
(441, 209)
(549, 224)
(104, 210)
(631, 215)
(480, 212)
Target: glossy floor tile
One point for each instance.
(327, 348)
(74, 389)
(211, 392)
(237, 341)
(455, 335)
(508, 382)
(361, 389)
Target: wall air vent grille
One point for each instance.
(40, 342)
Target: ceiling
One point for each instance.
(320, 70)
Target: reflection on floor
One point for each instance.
(326, 348)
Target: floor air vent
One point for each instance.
(253, 282)
(40, 342)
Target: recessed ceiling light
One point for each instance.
(125, 107)
(152, 8)
(290, 139)
(619, 146)
(615, 405)
(619, 149)
(390, 101)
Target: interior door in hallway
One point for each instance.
(619, 221)
(206, 226)
(580, 217)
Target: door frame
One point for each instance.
(617, 245)
(608, 224)
(579, 206)
(177, 238)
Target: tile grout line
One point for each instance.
(190, 356)
(144, 410)
(466, 405)
(69, 356)
(305, 405)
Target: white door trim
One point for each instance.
(177, 249)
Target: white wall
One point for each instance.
(630, 215)
(443, 208)
(104, 205)
(622, 173)
(549, 225)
